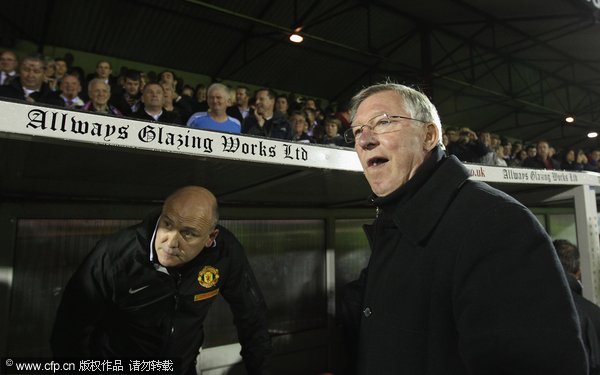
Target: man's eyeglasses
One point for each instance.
(379, 124)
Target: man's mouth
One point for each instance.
(376, 161)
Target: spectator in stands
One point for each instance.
(50, 75)
(281, 104)
(185, 106)
(168, 76)
(200, 104)
(569, 162)
(490, 158)
(468, 148)
(99, 93)
(310, 104)
(332, 132)
(588, 312)
(9, 64)
(507, 150)
(153, 100)
(70, 87)
(187, 91)
(452, 134)
(593, 163)
(130, 99)
(265, 121)
(517, 146)
(168, 106)
(519, 158)
(30, 85)
(104, 72)
(500, 160)
(216, 118)
(60, 69)
(298, 124)
(531, 150)
(462, 279)
(542, 159)
(240, 109)
(314, 129)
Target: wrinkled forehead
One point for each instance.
(379, 103)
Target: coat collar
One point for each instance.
(417, 216)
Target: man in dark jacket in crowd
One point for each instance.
(144, 292)
(265, 121)
(589, 313)
(30, 85)
(462, 279)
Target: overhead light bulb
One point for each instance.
(592, 135)
(296, 38)
(570, 119)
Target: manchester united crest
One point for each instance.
(208, 276)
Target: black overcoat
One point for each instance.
(462, 279)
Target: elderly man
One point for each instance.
(216, 118)
(462, 278)
(145, 291)
(99, 93)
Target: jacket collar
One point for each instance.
(417, 215)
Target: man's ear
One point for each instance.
(432, 137)
(211, 238)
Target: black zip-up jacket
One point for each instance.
(120, 304)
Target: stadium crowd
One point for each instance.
(166, 98)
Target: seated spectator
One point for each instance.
(60, 69)
(507, 150)
(542, 160)
(281, 104)
(587, 311)
(168, 106)
(298, 124)
(70, 87)
(8, 67)
(519, 158)
(468, 148)
(50, 75)
(187, 91)
(265, 122)
(593, 163)
(240, 108)
(200, 104)
(568, 162)
(452, 134)
(99, 93)
(104, 72)
(216, 118)
(500, 160)
(490, 158)
(130, 100)
(30, 85)
(332, 132)
(516, 148)
(153, 99)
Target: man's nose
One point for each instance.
(367, 138)
(172, 239)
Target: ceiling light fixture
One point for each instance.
(592, 135)
(570, 119)
(295, 37)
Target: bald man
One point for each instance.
(144, 292)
